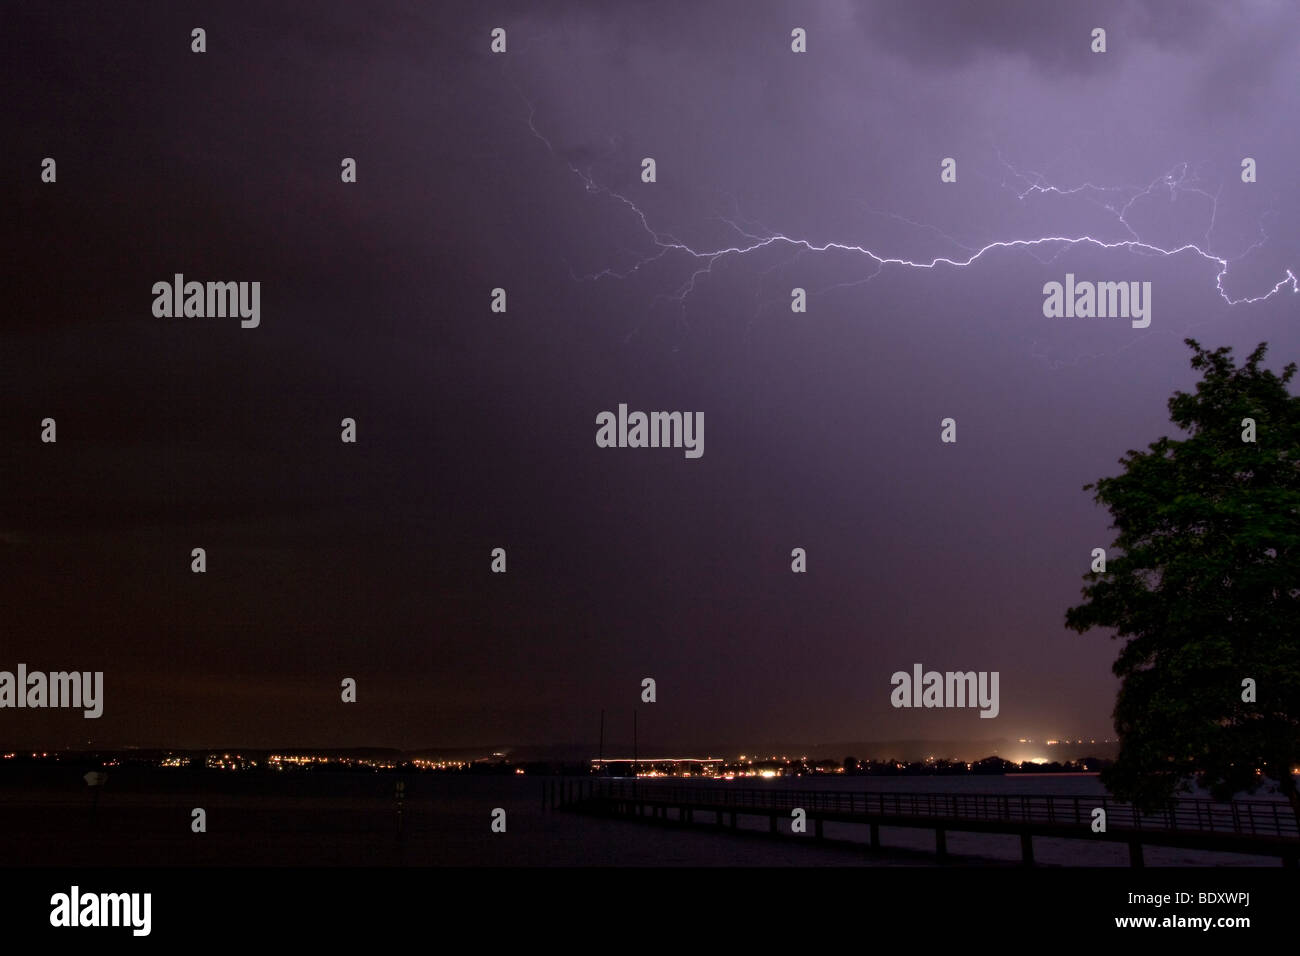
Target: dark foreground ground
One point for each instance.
(48, 817)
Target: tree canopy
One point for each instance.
(1205, 590)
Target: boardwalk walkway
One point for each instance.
(1261, 827)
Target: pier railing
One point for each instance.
(1258, 818)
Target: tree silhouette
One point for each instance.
(1206, 591)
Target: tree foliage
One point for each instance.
(1205, 590)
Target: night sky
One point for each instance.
(476, 429)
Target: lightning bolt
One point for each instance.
(1117, 201)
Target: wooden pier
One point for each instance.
(1259, 827)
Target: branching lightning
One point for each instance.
(1118, 201)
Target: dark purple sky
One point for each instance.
(477, 429)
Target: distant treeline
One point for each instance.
(987, 765)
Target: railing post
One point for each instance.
(1027, 848)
